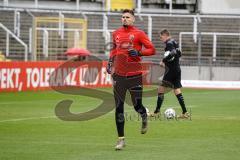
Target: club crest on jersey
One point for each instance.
(117, 39)
(131, 37)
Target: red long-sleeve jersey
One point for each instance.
(124, 39)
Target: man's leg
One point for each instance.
(119, 116)
(136, 95)
(120, 120)
(119, 96)
(160, 99)
(135, 88)
(165, 86)
(180, 98)
(178, 93)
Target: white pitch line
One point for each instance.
(176, 107)
(32, 118)
(24, 119)
(33, 101)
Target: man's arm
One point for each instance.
(171, 47)
(111, 56)
(149, 48)
(113, 49)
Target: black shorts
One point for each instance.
(122, 84)
(172, 79)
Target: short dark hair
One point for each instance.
(165, 31)
(128, 11)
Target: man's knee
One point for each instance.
(161, 89)
(177, 91)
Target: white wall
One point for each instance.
(220, 6)
(205, 73)
(214, 73)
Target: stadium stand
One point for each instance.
(177, 5)
(227, 46)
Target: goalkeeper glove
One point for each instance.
(169, 56)
(109, 66)
(134, 53)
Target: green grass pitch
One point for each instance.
(29, 129)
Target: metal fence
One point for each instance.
(199, 35)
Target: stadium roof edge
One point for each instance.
(160, 14)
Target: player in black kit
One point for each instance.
(172, 75)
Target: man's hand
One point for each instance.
(134, 53)
(162, 64)
(109, 66)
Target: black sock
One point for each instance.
(120, 120)
(181, 102)
(159, 102)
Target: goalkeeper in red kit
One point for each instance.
(125, 66)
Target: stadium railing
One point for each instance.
(8, 32)
(101, 25)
